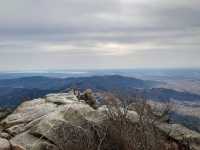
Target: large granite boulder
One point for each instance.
(31, 142)
(62, 98)
(46, 122)
(67, 127)
(29, 111)
(181, 134)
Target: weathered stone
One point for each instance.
(133, 116)
(60, 132)
(26, 141)
(181, 134)
(4, 144)
(14, 130)
(61, 98)
(5, 135)
(56, 122)
(28, 112)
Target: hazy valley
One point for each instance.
(158, 86)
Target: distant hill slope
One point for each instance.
(110, 83)
(13, 91)
(11, 97)
(34, 83)
(100, 82)
(162, 94)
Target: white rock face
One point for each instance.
(29, 111)
(61, 98)
(33, 119)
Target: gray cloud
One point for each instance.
(106, 33)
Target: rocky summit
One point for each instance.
(62, 122)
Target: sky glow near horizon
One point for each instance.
(84, 34)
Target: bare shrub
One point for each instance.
(124, 134)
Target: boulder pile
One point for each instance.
(62, 122)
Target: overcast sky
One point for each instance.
(71, 34)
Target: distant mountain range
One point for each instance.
(11, 97)
(14, 91)
(100, 82)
